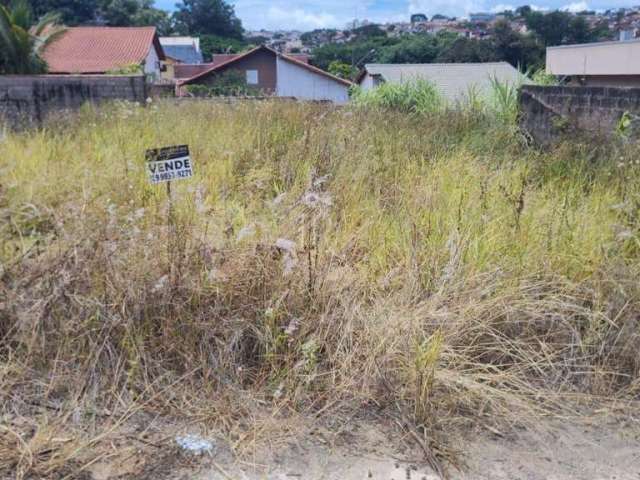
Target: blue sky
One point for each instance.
(307, 15)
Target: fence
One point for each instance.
(551, 113)
(32, 98)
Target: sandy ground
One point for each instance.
(558, 450)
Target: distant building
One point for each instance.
(482, 17)
(100, 50)
(278, 75)
(453, 80)
(182, 49)
(597, 64)
(628, 34)
(179, 50)
(419, 18)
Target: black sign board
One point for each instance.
(169, 163)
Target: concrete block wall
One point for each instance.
(32, 98)
(551, 113)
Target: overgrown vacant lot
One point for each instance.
(322, 263)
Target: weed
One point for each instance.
(485, 282)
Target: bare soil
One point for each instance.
(585, 448)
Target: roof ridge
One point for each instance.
(595, 44)
(456, 64)
(220, 65)
(288, 58)
(108, 27)
(313, 68)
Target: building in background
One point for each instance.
(187, 70)
(419, 18)
(614, 64)
(482, 17)
(276, 74)
(454, 81)
(180, 50)
(102, 50)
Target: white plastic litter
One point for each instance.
(289, 258)
(195, 444)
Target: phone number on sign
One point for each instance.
(166, 176)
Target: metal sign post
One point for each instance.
(163, 166)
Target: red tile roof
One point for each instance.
(100, 49)
(219, 58)
(188, 70)
(301, 57)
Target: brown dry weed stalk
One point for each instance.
(322, 261)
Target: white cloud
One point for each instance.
(305, 14)
(310, 14)
(576, 7)
(300, 19)
(501, 7)
(539, 8)
(455, 8)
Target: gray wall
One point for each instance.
(26, 99)
(606, 81)
(552, 113)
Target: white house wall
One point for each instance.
(296, 81)
(152, 63)
(367, 82)
(606, 58)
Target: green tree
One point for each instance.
(211, 44)
(413, 49)
(352, 52)
(342, 70)
(551, 27)
(22, 38)
(118, 13)
(519, 50)
(207, 17)
(468, 50)
(72, 12)
(147, 14)
(523, 11)
(578, 31)
(557, 28)
(369, 31)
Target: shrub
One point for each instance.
(418, 96)
(504, 102)
(231, 83)
(131, 69)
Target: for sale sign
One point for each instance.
(169, 163)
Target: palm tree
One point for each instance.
(22, 40)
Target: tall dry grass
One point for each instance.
(431, 268)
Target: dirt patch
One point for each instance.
(603, 449)
(559, 450)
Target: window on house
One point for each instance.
(252, 77)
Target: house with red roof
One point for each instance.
(101, 50)
(273, 73)
(186, 70)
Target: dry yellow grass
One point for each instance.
(321, 259)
